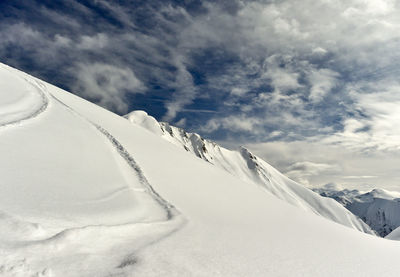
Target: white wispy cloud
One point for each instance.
(302, 171)
(235, 123)
(322, 81)
(185, 91)
(377, 125)
(107, 84)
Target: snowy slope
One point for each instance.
(60, 172)
(249, 168)
(394, 235)
(86, 193)
(379, 208)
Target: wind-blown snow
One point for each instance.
(250, 168)
(86, 193)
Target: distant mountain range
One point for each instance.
(379, 208)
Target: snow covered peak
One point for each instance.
(379, 208)
(385, 194)
(252, 169)
(143, 119)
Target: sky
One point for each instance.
(312, 87)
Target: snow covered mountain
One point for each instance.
(83, 192)
(250, 168)
(379, 208)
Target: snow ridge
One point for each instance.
(250, 168)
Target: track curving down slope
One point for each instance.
(169, 209)
(51, 200)
(18, 105)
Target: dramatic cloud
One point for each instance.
(321, 74)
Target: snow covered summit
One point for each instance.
(84, 192)
(250, 168)
(378, 208)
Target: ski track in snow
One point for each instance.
(10, 266)
(40, 89)
(168, 208)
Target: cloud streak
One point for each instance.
(107, 85)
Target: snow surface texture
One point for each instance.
(250, 168)
(86, 193)
(379, 208)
